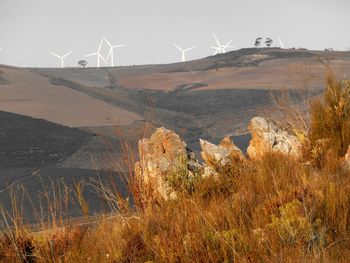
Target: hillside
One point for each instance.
(286, 200)
(208, 98)
(32, 156)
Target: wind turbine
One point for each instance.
(183, 56)
(227, 46)
(111, 53)
(61, 57)
(281, 44)
(98, 54)
(220, 49)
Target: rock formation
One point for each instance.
(266, 136)
(162, 155)
(165, 159)
(221, 154)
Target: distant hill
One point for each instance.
(210, 97)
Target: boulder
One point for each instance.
(162, 155)
(267, 137)
(222, 154)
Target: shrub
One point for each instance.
(330, 120)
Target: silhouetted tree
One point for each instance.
(268, 42)
(83, 63)
(258, 42)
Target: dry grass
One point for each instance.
(276, 209)
(330, 119)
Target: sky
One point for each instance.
(30, 29)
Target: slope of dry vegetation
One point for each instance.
(274, 209)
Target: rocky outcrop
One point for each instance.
(216, 156)
(222, 154)
(266, 137)
(165, 159)
(162, 155)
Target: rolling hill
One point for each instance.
(71, 123)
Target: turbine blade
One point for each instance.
(217, 49)
(228, 43)
(70, 52)
(103, 58)
(216, 39)
(105, 39)
(100, 46)
(178, 48)
(116, 46)
(190, 48)
(53, 54)
(281, 44)
(93, 54)
(109, 54)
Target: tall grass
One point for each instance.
(275, 209)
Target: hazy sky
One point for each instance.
(31, 28)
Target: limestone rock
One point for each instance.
(163, 154)
(266, 136)
(220, 154)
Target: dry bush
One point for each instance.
(17, 246)
(291, 107)
(330, 118)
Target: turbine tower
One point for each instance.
(98, 54)
(220, 49)
(183, 56)
(111, 53)
(61, 57)
(281, 44)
